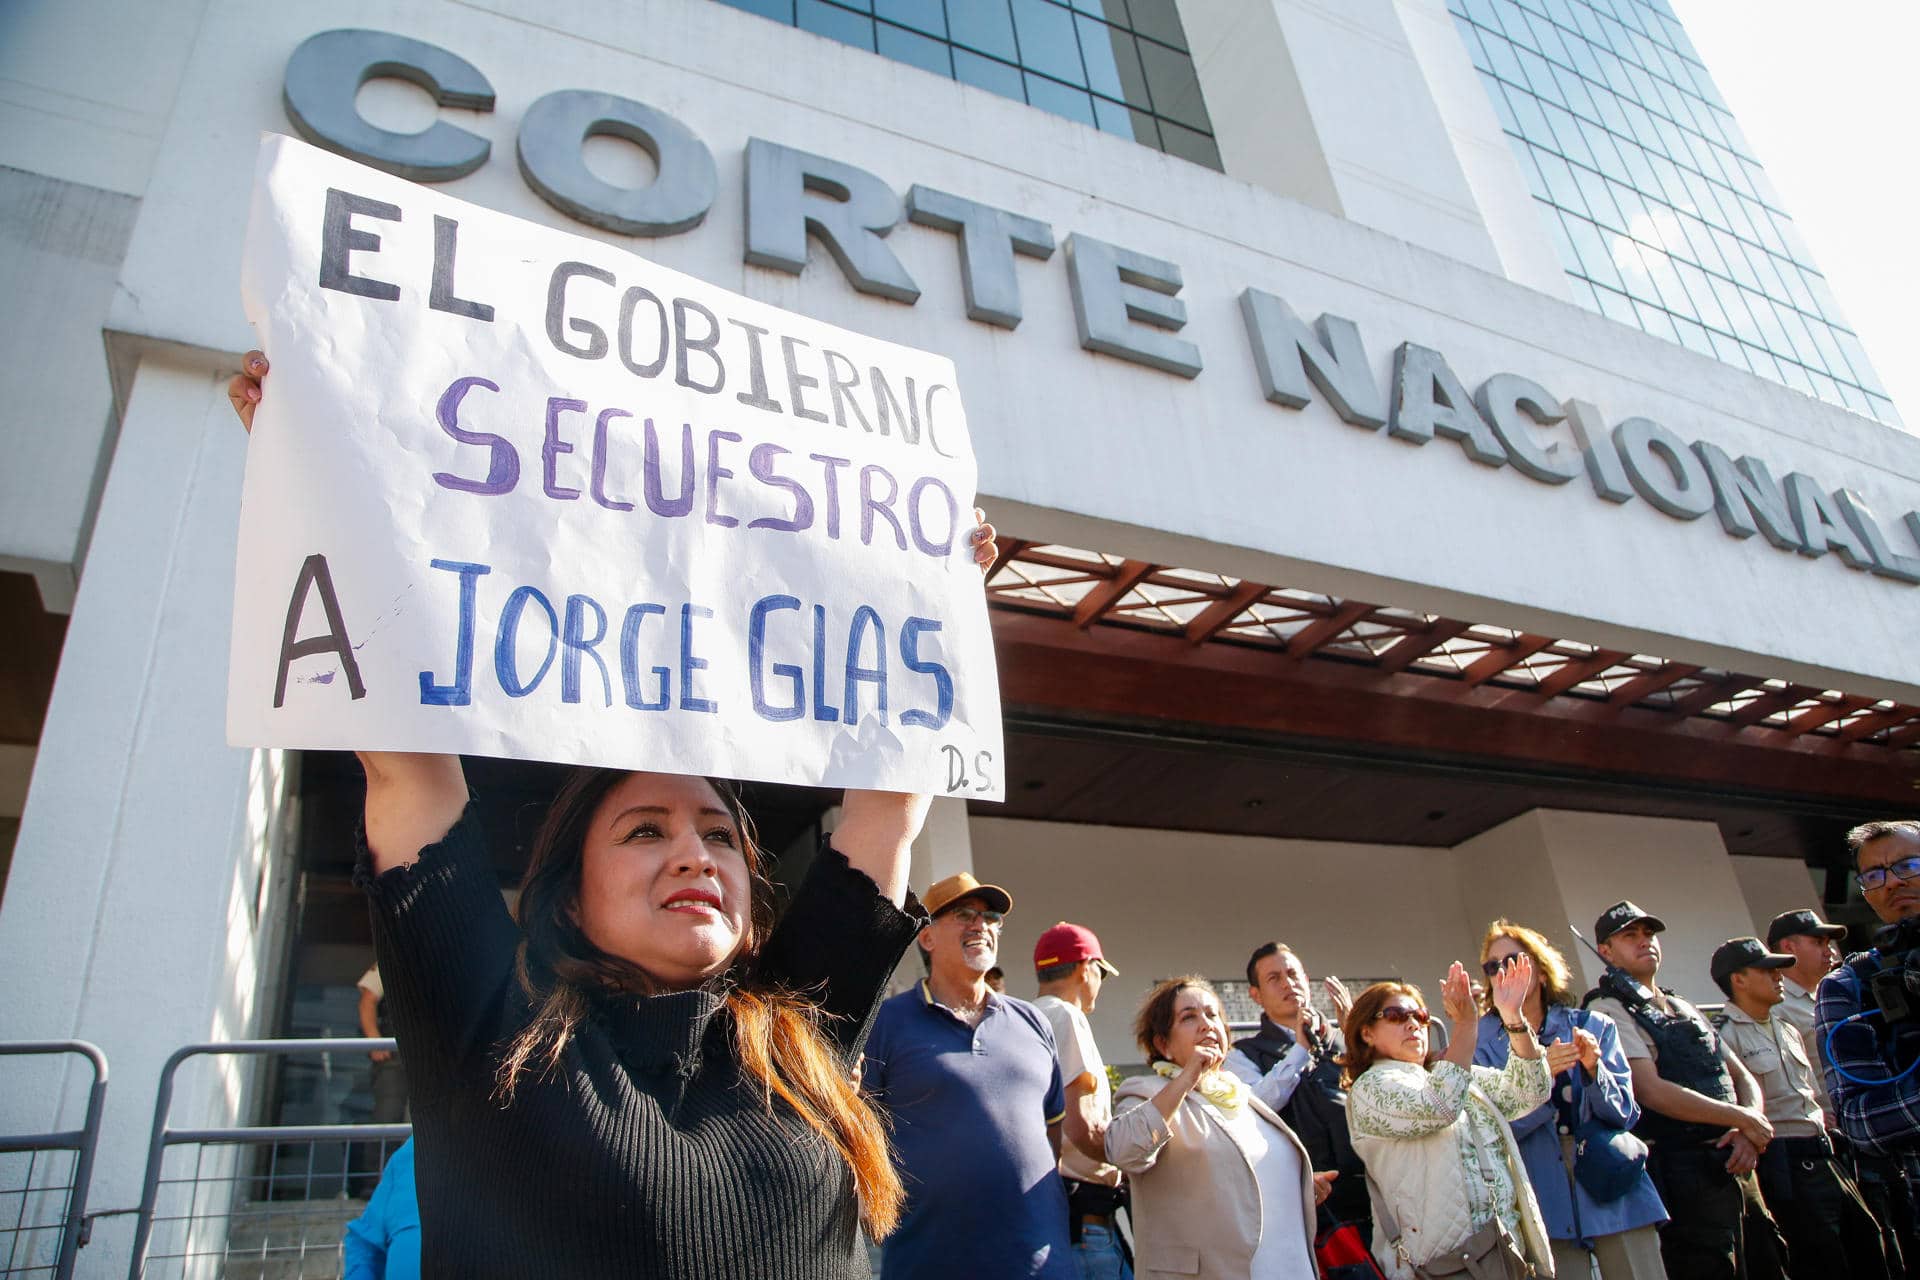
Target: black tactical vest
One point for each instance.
(1687, 1053)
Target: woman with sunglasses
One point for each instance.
(1220, 1185)
(1590, 1081)
(1446, 1173)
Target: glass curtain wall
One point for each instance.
(1121, 66)
(1663, 216)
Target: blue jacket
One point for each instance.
(384, 1242)
(1610, 1099)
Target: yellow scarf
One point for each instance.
(1222, 1088)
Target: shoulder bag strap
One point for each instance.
(1383, 1214)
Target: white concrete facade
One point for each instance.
(149, 879)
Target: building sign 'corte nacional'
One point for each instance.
(1125, 302)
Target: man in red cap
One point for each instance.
(1070, 967)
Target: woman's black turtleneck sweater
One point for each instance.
(647, 1153)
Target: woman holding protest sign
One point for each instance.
(644, 1074)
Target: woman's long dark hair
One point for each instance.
(776, 1035)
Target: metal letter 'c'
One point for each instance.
(327, 71)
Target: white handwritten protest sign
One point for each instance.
(513, 492)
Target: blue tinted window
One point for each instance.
(1121, 66)
(837, 23)
(922, 51)
(985, 26)
(1656, 205)
(1060, 99)
(929, 17)
(1047, 41)
(986, 73)
(1113, 65)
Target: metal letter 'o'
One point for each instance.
(551, 136)
(326, 72)
(1663, 470)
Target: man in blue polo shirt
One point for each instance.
(972, 1086)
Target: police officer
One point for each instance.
(1816, 1204)
(1699, 1112)
(1810, 941)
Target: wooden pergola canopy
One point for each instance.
(1086, 637)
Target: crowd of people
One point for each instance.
(1529, 1130)
(641, 1071)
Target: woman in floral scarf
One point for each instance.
(1221, 1186)
(1447, 1175)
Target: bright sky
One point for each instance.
(1828, 93)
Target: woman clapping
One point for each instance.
(1451, 1193)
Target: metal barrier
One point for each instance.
(49, 1246)
(255, 1202)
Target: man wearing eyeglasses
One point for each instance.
(1699, 1112)
(1875, 1105)
(970, 1081)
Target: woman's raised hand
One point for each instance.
(243, 389)
(1456, 995)
(985, 549)
(1205, 1058)
(1510, 987)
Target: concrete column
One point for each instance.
(1549, 867)
(1773, 885)
(1370, 110)
(150, 884)
(944, 848)
(1515, 220)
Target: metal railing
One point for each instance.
(254, 1202)
(46, 1233)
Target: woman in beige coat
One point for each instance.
(1221, 1186)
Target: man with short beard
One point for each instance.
(1293, 1064)
(1875, 1106)
(969, 1080)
